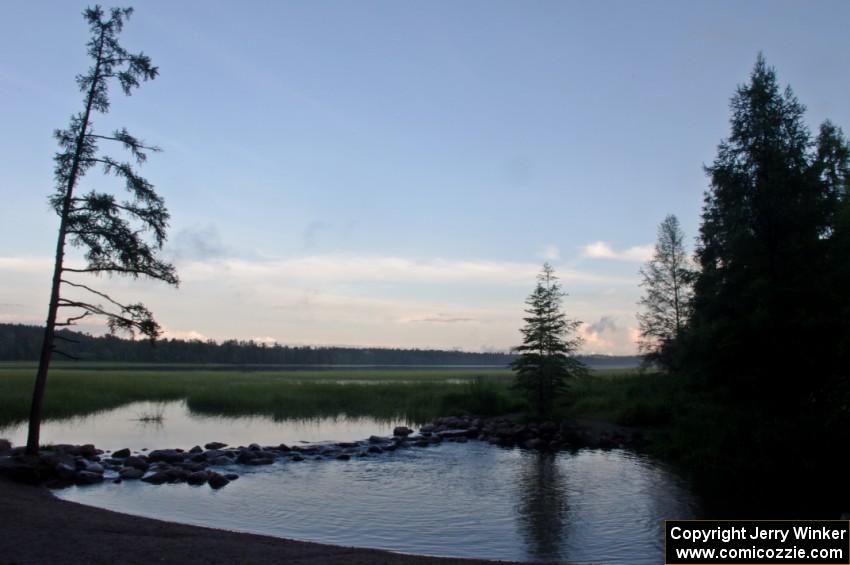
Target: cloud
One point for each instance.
(550, 253)
(168, 333)
(198, 244)
(354, 299)
(603, 324)
(311, 234)
(602, 250)
(445, 319)
(609, 336)
(343, 268)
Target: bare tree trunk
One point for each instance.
(36, 408)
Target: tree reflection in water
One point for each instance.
(542, 508)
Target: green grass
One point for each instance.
(618, 395)
(414, 394)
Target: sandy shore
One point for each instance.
(38, 528)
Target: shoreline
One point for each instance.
(37, 527)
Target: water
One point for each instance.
(173, 425)
(464, 500)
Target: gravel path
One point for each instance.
(38, 528)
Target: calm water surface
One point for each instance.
(466, 500)
(130, 426)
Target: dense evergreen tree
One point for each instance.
(547, 355)
(113, 233)
(667, 279)
(766, 300)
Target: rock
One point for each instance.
(427, 428)
(231, 476)
(348, 444)
(343, 457)
(402, 431)
(94, 468)
(548, 428)
(534, 443)
(121, 453)
(88, 451)
(220, 461)
(260, 461)
(131, 473)
(376, 439)
(296, 457)
(65, 472)
(167, 455)
(5, 445)
(156, 478)
(55, 458)
(217, 481)
(214, 445)
(137, 462)
(375, 449)
(255, 447)
(196, 449)
(455, 432)
(422, 443)
(88, 478)
(197, 478)
(283, 447)
(177, 475)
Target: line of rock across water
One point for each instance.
(64, 465)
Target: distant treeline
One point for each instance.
(23, 343)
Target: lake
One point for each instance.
(464, 500)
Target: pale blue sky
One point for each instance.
(394, 173)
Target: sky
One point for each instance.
(395, 173)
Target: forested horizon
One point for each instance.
(22, 342)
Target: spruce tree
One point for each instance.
(119, 237)
(546, 362)
(667, 279)
(760, 305)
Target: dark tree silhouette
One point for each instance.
(768, 249)
(667, 281)
(118, 236)
(546, 357)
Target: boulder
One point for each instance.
(402, 431)
(5, 445)
(121, 453)
(217, 481)
(534, 443)
(343, 457)
(231, 476)
(131, 473)
(375, 449)
(88, 451)
(137, 462)
(197, 478)
(196, 449)
(283, 447)
(296, 457)
(376, 439)
(94, 468)
(167, 455)
(88, 478)
(260, 461)
(215, 445)
(156, 478)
